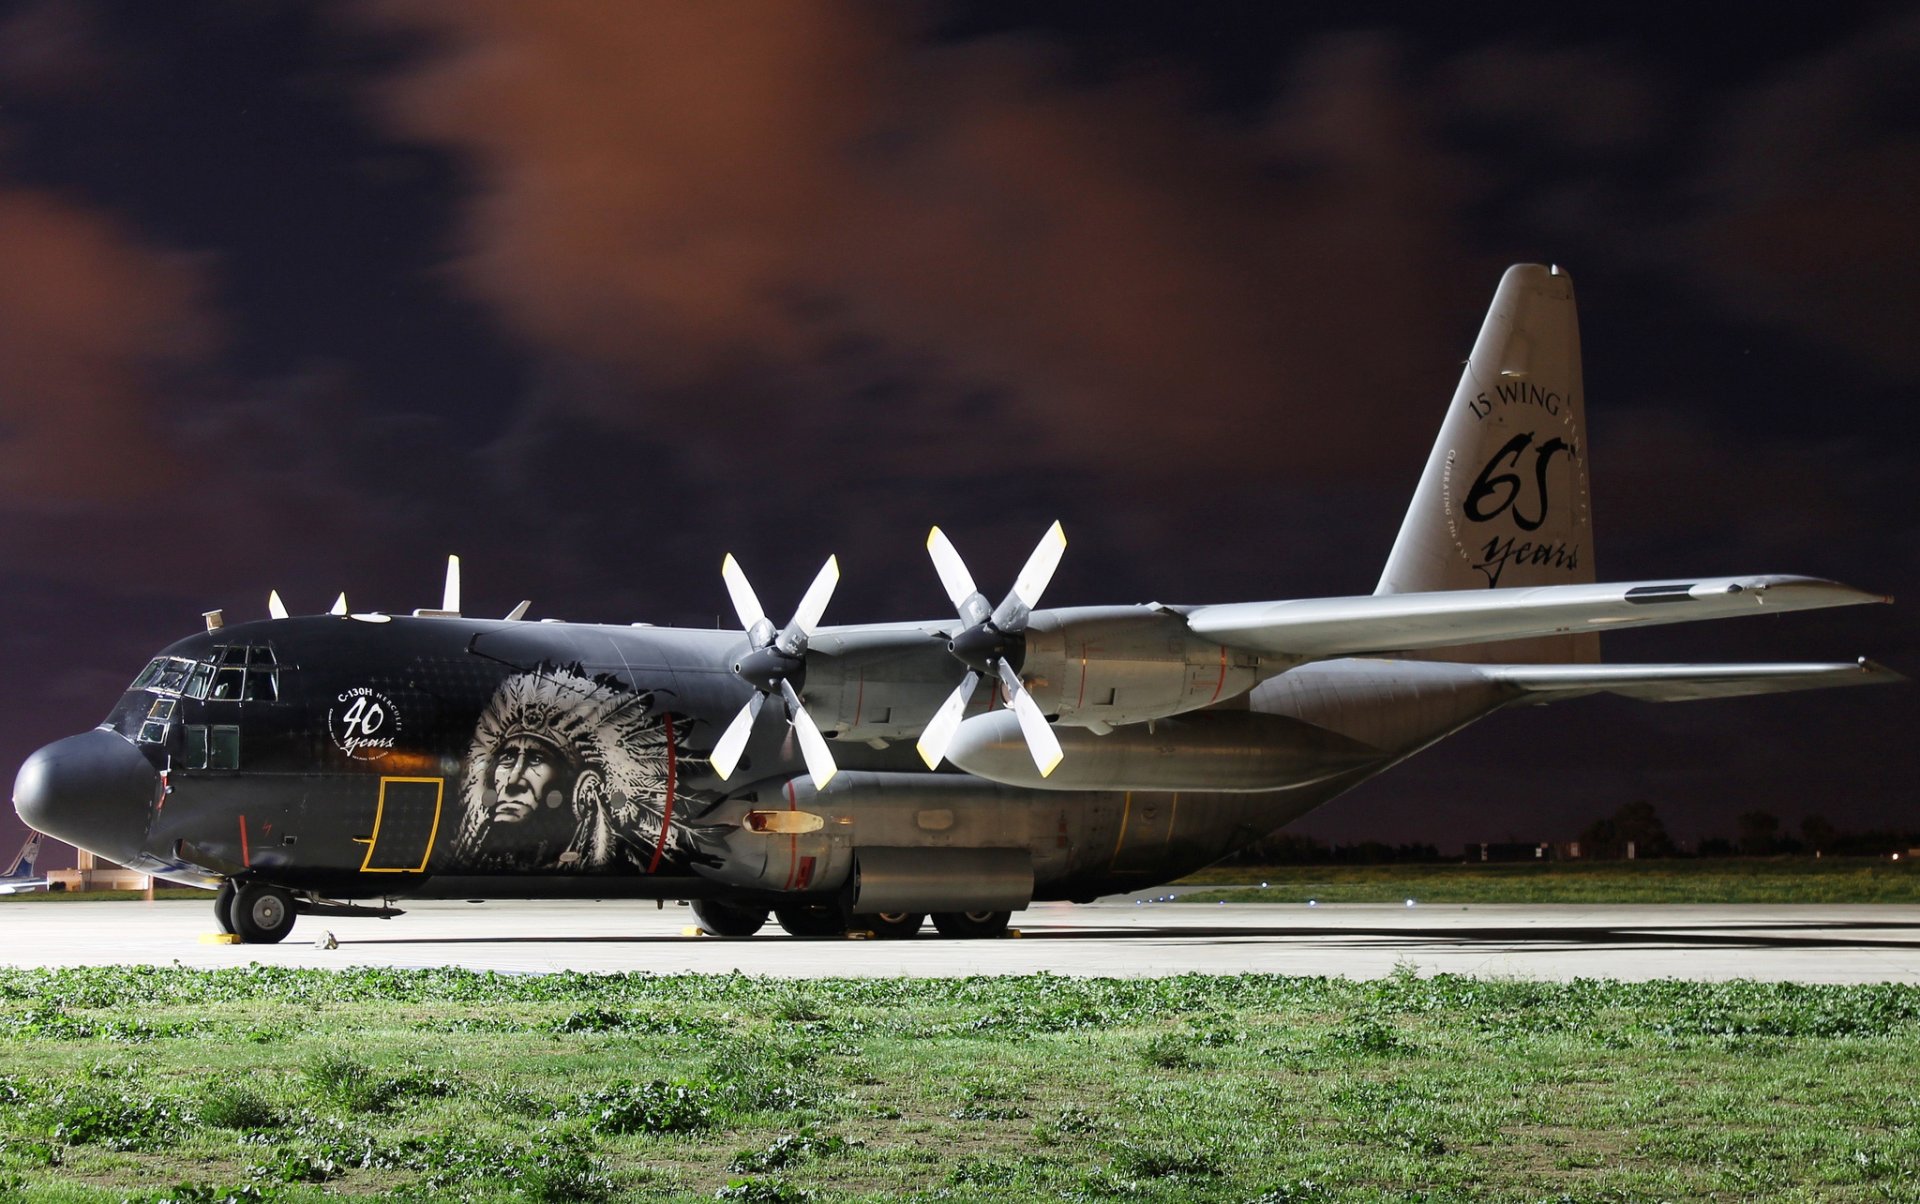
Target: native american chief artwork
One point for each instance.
(571, 772)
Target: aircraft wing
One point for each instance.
(1317, 628)
(1684, 683)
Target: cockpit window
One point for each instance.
(165, 675)
(199, 681)
(239, 673)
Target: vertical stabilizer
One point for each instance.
(22, 866)
(1503, 500)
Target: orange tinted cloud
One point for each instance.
(91, 322)
(684, 190)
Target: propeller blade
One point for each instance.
(733, 741)
(954, 577)
(793, 641)
(1032, 581)
(339, 604)
(1011, 614)
(519, 612)
(938, 733)
(276, 609)
(1041, 741)
(450, 594)
(813, 746)
(746, 603)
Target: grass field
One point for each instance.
(265, 1084)
(1689, 880)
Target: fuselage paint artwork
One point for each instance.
(853, 776)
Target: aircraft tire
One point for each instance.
(971, 925)
(262, 914)
(223, 906)
(728, 919)
(811, 921)
(892, 925)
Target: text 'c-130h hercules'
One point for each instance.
(874, 774)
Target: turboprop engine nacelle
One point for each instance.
(1105, 666)
(1215, 751)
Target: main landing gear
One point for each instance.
(719, 918)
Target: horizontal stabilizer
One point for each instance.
(1318, 628)
(1684, 683)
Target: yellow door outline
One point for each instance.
(373, 842)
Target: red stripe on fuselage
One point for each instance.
(666, 816)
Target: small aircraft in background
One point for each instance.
(19, 877)
(870, 775)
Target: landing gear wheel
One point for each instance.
(262, 914)
(223, 906)
(728, 919)
(891, 925)
(811, 921)
(971, 925)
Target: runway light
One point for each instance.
(1409, 902)
(1263, 886)
(1313, 902)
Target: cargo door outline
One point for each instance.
(402, 815)
(1144, 838)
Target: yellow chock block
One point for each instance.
(693, 931)
(857, 934)
(219, 938)
(1014, 934)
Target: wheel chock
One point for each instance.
(694, 931)
(219, 938)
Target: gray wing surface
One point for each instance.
(1684, 683)
(1315, 628)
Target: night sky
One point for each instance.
(306, 296)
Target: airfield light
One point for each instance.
(1409, 902)
(1313, 902)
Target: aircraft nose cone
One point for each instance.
(94, 791)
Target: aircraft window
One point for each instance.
(233, 656)
(172, 677)
(148, 674)
(198, 683)
(162, 709)
(228, 684)
(263, 685)
(153, 731)
(260, 655)
(196, 757)
(223, 748)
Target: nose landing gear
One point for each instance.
(255, 912)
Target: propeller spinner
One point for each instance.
(992, 645)
(774, 664)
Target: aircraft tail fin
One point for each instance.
(22, 866)
(1503, 500)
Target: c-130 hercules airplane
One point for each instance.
(299, 764)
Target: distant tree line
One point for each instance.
(1637, 824)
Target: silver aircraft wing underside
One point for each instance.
(1684, 683)
(1317, 628)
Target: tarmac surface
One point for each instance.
(1121, 937)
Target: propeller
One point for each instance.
(992, 645)
(774, 663)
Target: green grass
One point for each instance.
(1702, 880)
(296, 1085)
(106, 896)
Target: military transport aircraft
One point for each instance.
(19, 876)
(872, 774)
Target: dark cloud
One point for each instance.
(92, 325)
